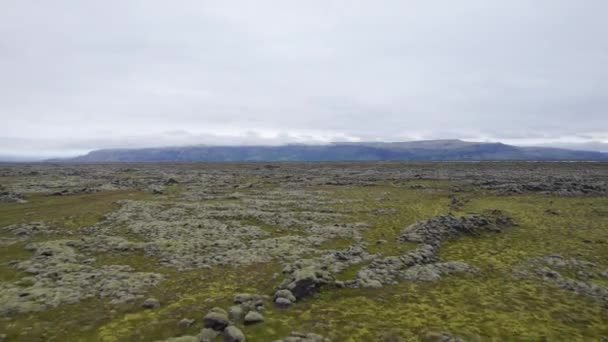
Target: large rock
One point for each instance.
(253, 317)
(283, 302)
(216, 319)
(236, 313)
(233, 334)
(307, 281)
(285, 294)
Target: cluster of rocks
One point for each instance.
(57, 274)
(552, 186)
(191, 235)
(11, 197)
(305, 277)
(28, 230)
(247, 309)
(456, 203)
(422, 263)
(216, 322)
(508, 178)
(434, 230)
(544, 268)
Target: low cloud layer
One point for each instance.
(78, 76)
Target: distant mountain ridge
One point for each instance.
(440, 150)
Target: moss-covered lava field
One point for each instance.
(490, 251)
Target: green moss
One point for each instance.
(275, 231)
(351, 271)
(494, 305)
(388, 209)
(337, 243)
(66, 211)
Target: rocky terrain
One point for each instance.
(378, 251)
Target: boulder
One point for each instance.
(216, 319)
(253, 317)
(307, 281)
(242, 298)
(283, 302)
(233, 334)
(285, 294)
(236, 313)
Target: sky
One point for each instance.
(82, 75)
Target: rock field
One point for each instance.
(304, 252)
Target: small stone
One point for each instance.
(151, 303)
(186, 322)
(253, 317)
(233, 334)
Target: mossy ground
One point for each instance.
(494, 305)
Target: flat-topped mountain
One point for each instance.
(341, 151)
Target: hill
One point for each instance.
(456, 150)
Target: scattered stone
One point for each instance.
(151, 303)
(186, 322)
(253, 317)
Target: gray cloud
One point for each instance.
(84, 75)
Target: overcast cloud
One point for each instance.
(80, 75)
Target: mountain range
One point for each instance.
(445, 150)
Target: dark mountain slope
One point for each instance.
(416, 150)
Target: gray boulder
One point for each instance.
(253, 317)
(285, 294)
(236, 313)
(216, 319)
(283, 302)
(233, 334)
